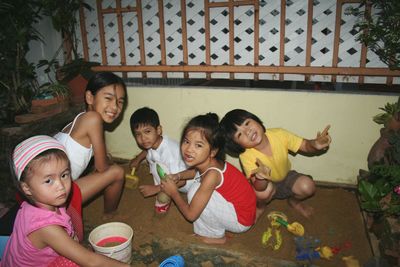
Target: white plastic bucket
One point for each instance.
(122, 251)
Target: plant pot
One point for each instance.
(78, 87)
(58, 104)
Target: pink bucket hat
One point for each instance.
(28, 149)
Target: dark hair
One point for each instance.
(229, 124)
(144, 116)
(209, 127)
(103, 79)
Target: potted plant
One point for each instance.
(390, 119)
(380, 32)
(17, 75)
(379, 188)
(76, 74)
(51, 97)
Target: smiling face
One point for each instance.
(250, 134)
(147, 136)
(48, 182)
(108, 102)
(196, 151)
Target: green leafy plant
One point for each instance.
(380, 31)
(63, 14)
(377, 193)
(56, 89)
(75, 67)
(390, 110)
(17, 75)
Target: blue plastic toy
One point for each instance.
(306, 248)
(173, 261)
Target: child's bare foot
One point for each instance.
(210, 240)
(300, 207)
(114, 216)
(260, 208)
(259, 212)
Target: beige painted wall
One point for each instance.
(304, 113)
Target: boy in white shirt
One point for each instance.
(161, 150)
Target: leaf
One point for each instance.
(367, 191)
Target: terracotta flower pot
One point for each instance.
(78, 86)
(58, 104)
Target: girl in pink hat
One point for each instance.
(43, 234)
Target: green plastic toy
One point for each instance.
(161, 172)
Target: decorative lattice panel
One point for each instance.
(323, 30)
(219, 39)
(195, 35)
(295, 36)
(173, 35)
(349, 51)
(132, 45)
(244, 39)
(269, 35)
(93, 33)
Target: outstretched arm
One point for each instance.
(138, 159)
(57, 238)
(200, 199)
(321, 142)
(187, 174)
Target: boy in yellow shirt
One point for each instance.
(263, 154)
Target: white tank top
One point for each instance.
(78, 155)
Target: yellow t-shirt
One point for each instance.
(281, 141)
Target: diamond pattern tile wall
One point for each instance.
(349, 51)
(269, 35)
(296, 36)
(195, 35)
(173, 35)
(93, 34)
(151, 34)
(244, 29)
(112, 39)
(125, 3)
(108, 4)
(323, 30)
(132, 44)
(323, 36)
(219, 36)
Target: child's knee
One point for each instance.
(117, 172)
(305, 186)
(267, 194)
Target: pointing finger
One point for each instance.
(325, 131)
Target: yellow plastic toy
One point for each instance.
(272, 237)
(325, 252)
(294, 227)
(131, 180)
(350, 261)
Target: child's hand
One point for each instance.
(149, 190)
(174, 177)
(323, 140)
(169, 187)
(262, 172)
